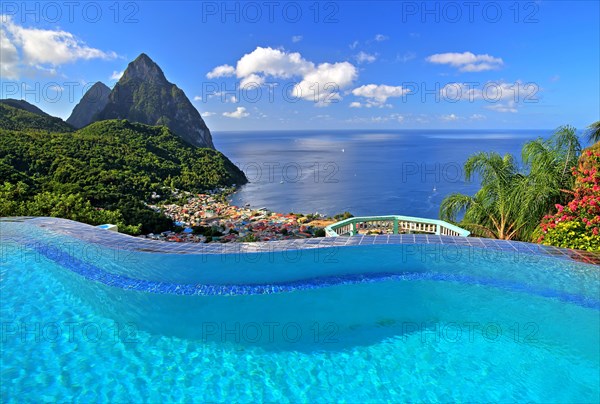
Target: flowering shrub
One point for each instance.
(577, 224)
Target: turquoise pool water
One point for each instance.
(354, 323)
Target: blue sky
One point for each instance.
(308, 65)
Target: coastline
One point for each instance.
(210, 217)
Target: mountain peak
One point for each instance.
(145, 69)
(99, 86)
(143, 57)
(93, 101)
(143, 94)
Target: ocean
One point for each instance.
(364, 172)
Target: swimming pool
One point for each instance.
(91, 315)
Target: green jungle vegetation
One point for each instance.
(103, 173)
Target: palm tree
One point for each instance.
(549, 180)
(494, 211)
(511, 203)
(593, 132)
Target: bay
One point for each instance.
(365, 172)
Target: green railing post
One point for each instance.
(395, 225)
(353, 228)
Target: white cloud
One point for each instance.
(272, 62)
(480, 67)
(477, 117)
(296, 38)
(450, 118)
(324, 83)
(467, 61)
(354, 44)
(221, 71)
(492, 91)
(252, 81)
(197, 98)
(517, 91)
(208, 113)
(240, 112)
(9, 58)
(381, 38)
(116, 75)
(39, 47)
(224, 96)
(363, 57)
(320, 83)
(460, 92)
(500, 96)
(355, 105)
(378, 119)
(377, 95)
(509, 106)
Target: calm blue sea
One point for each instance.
(365, 172)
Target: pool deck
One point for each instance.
(92, 234)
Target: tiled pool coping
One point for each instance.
(92, 234)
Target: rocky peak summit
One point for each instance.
(144, 68)
(144, 95)
(93, 101)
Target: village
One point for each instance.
(206, 218)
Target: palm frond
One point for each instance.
(593, 132)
